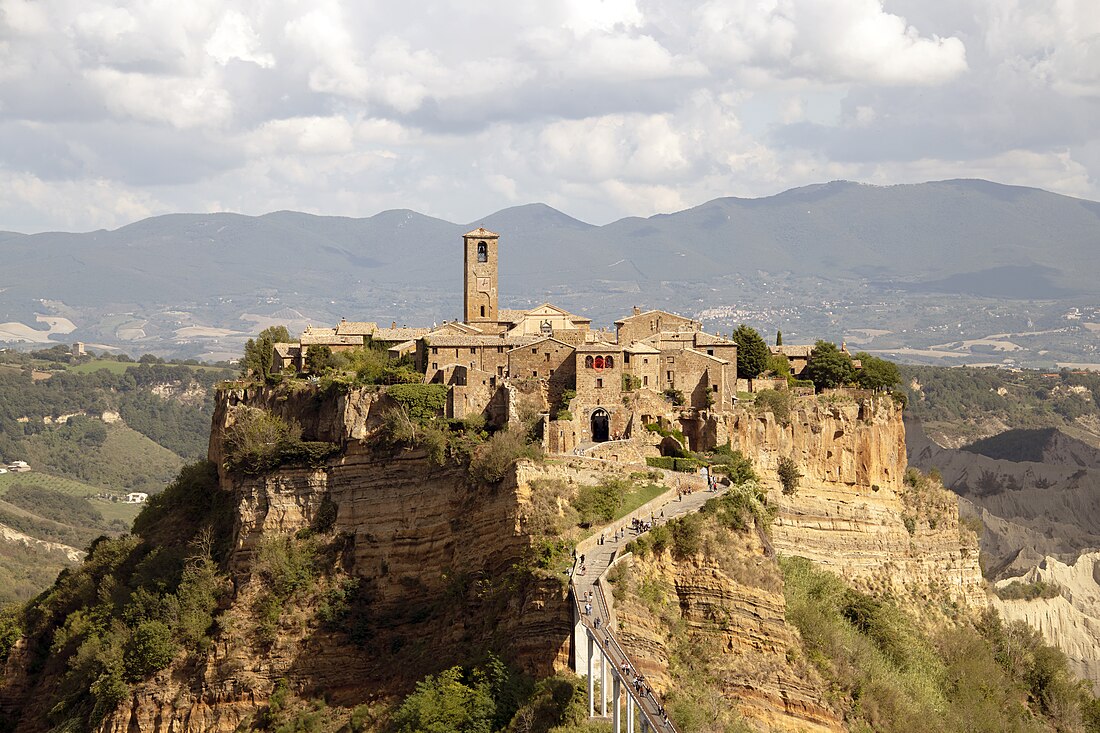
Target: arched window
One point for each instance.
(588, 362)
(482, 252)
(609, 362)
(598, 364)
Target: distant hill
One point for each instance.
(1043, 445)
(921, 234)
(200, 284)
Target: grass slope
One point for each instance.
(125, 461)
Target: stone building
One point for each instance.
(591, 386)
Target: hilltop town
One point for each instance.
(593, 385)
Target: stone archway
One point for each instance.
(601, 425)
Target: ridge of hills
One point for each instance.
(919, 234)
(145, 284)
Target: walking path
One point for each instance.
(587, 589)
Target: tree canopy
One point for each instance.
(752, 352)
(828, 366)
(876, 373)
(259, 353)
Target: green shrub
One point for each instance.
(492, 461)
(150, 649)
(1018, 591)
(735, 465)
(259, 441)
(600, 503)
(675, 396)
(789, 475)
(777, 402)
(687, 535)
(422, 402)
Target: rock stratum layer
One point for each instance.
(431, 549)
(854, 511)
(434, 554)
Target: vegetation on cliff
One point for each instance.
(136, 603)
(968, 402)
(889, 674)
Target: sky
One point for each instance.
(114, 111)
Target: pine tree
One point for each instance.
(752, 352)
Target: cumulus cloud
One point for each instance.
(604, 108)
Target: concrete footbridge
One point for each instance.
(595, 646)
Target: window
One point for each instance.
(500, 349)
(534, 372)
(645, 361)
(626, 357)
(535, 350)
(716, 388)
(588, 362)
(482, 253)
(710, 352)
(609, 363)
(551, 372)
(599, 383)
(598, 362)
(482, 311)
(668, 376)
(547, 356)
(671, 359)
(473, 349)
(435, 350)
(645, 381)
(435, 365)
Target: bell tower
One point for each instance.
(479, 299)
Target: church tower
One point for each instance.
(479, 299)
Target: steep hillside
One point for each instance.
(320, 576)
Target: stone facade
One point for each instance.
(479, 300)
(549, 352)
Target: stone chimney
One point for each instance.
(637, 311)
(393, 324)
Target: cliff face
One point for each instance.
(722, 610)
(854, 512)
(431, 552)
(1070, 620)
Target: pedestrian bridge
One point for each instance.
(595, 647)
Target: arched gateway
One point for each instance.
(601, 425)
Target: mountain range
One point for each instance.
(961, 236)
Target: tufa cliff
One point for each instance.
(857, 510)
(368, 564)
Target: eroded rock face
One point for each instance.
(732, 611)
(853, 512)
(433, 553)
(1070, 620)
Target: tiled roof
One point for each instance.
(460, 339)
(481, 232)
(703, 338)
(709, 356)
(399, 334)
(328, 337)
(796, 350)
(639, 347)
(541, 340)
(649, 313)
(598, 346)
(287, 350)
(509, 315)
(356, 328)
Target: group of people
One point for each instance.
(642, 688)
